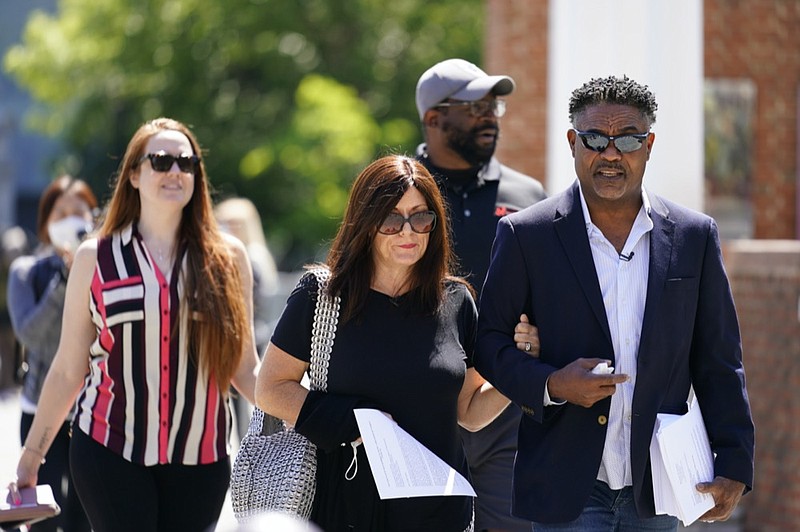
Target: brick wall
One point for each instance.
(765, 277)
(751, 39)
(759, 40)
(516, 44)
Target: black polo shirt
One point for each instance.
(476, 203)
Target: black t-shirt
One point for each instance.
(412, 366)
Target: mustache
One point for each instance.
(611, 167)
(481, 129)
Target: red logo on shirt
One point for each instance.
(502, 210)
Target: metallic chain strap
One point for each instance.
(323, 331)
(277, 472)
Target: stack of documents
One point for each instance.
(680, 458)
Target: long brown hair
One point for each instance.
(212, 285)
(375, 192)
(60, 186)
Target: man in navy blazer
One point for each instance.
(610, 273)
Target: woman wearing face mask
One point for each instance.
(36, 289)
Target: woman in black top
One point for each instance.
(403, 345)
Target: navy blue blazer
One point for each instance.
(542, 265)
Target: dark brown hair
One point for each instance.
(60, 186)
(375, 192)
(211, 275)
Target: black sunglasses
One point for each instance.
(624, 143)
(162, 162)
(420, 222)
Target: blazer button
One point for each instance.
(602, 420)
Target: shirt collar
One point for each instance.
(488, 172)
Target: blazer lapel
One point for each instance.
(570, 227)
(661, 239)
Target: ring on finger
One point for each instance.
(528, 347)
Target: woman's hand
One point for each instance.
(27, 470)
(526, 336)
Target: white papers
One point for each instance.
(680, 457)
(401, 465)
(602, 368)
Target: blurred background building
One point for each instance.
(24, 156)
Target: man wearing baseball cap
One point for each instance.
(459, 108)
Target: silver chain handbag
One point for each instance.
(278, 472)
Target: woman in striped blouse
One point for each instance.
(148, 367)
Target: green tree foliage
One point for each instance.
(288, 98)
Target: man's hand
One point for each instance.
(726, 493)
(575, 383)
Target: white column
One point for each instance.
(658, 43)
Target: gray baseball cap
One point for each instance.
(460, 80)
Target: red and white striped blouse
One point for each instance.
(144, 397)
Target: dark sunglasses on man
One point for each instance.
(162, 162)
(421, 222)
(480, 108)
(624, 143)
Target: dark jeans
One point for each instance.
(120, 496)
(55, 472)
(611, 511)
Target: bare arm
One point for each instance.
(244, 380)
(69, 367)
(278, 389)
(479, 403)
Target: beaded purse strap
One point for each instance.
(323, 331)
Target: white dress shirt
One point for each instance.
(623, 283)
